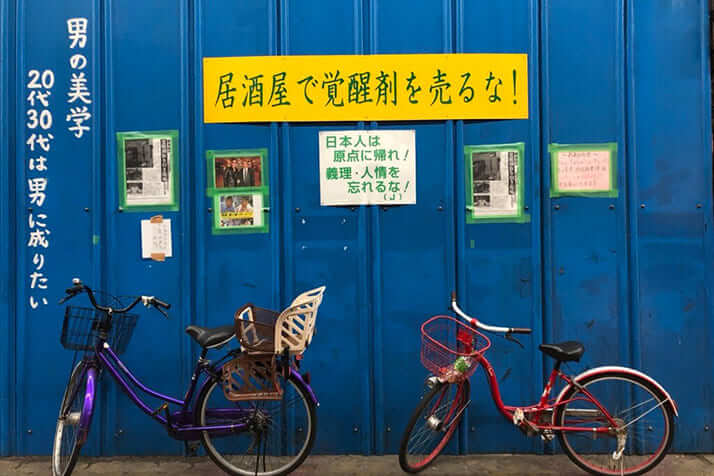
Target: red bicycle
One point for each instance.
(609, 420)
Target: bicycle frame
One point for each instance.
(545, 404)
(179, 424)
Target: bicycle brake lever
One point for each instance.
(510, 337)
(166, 315)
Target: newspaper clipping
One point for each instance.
(240, 211)
(148, 171)
(495, 183)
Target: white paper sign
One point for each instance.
(156, 238)
(584, 171)
(376, 167)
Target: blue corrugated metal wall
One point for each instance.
(630, 276)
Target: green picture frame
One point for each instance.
(232, 222)
(217, 159)
(134, 176)
(611, 191)
(472, 215)
(256, 191)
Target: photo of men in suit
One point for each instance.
(245, 174)
(230, 179)
(238, 172)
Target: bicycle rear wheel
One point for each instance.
(644, 424)
(74, 419)
(432, 425)
(265, 447)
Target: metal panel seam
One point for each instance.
(536, 113)
(19, 229)
(199, 215)
(458, 202)
(632, 188)
(287, 201)
(545, 212)
(108, 394)
(98, 177)
(623, 244)
(374, 383)
(7, 357)
(706, 111)
(188, 169)
(275, 47)
(450, 31)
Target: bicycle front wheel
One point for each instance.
(432, 425)
(277, 435)
(74, 419)
(643, 430)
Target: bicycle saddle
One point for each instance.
(209, 337)
(564, 351)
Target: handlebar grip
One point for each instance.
(161, 303)
(521, 330)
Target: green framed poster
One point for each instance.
(238, 185)
(494, 183)
(237, 169)
(240, 212)
(148, 170)
(586, 170)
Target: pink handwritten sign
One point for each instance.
(584, 171)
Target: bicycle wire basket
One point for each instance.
(81, 327)
(255, 328)
(450, 349)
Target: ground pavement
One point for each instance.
(472, 465)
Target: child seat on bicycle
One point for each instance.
(264, 331)
(267, 332)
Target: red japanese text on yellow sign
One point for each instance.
(365, 87)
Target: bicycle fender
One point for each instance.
(85, 418)
(627, 370)
(310, 392)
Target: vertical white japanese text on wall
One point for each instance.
(79, 96)
(39, 143)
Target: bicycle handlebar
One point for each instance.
(148, 301)
(485, 327)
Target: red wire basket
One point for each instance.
(450, 349)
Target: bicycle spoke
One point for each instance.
(264, 446)
(638, 438)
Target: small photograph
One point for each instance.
(240, 210)
(482, 201)
(239, 171)
(486, 166)
(138, 153)
(482, 187)
(134, 188)
(134, 174)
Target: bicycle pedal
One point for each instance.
(164, 406)
(529, 428)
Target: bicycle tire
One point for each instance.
(455, 410)
(77, 405)
(607, 387)
(220, 460)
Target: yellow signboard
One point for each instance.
(365, 88)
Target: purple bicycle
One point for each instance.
(252, 410)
